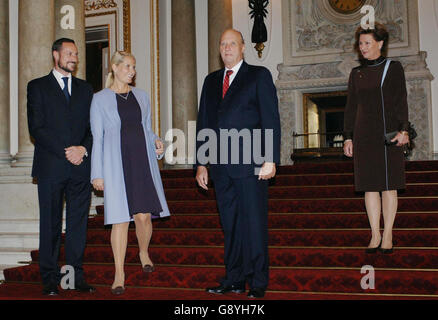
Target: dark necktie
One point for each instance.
(226, 83)
(65, 90)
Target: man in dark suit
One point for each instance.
(240, 98)
(58, 109)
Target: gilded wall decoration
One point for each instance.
(99, 4)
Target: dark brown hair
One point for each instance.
(57, 45)
(379, 33)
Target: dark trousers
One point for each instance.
(51, 194)
(243, 208)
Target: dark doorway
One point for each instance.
(97, 44)
(323, 124)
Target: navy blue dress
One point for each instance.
(140, 190)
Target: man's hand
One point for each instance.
(159, 147)
(267, 171)
(98, 184)
(75, 154)
(202, 177)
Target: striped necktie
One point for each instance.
(226, 83)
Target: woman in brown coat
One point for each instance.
(371, 112)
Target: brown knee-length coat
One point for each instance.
(377, 167)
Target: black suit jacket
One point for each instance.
(55, 125)
(250, 103)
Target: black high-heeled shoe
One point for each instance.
(387, 251)
(373, 250)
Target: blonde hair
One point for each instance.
(116, 59)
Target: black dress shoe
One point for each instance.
(256, 293)
(84, 287)
(224, 289)
(50, 289)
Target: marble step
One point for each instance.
(14, 256)
(19, 240)
(19, 225)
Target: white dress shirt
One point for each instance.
(58, 75)
(235, 70)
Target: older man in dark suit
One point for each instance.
(240, 98)
(58, 108)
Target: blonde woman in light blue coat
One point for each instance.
(124, 163)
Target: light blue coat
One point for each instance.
(106, 155)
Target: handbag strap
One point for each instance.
(388, 61)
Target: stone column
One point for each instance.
(4, 83)
(36, 23)
(220, 18)
(77, 34)
(184, 77)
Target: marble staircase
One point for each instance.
(19, 216)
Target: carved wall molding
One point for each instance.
(99, 4)
(314, 32)
(337, 73)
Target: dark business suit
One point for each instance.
(55, 124)
(250, 103)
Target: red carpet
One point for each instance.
(318, 232)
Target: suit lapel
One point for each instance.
(219, 85)
(56, 89)
(74, 91)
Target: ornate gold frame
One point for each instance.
(155, 64)
(127, 25)
(126, 18)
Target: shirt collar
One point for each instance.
(235, 68)
(58, 75)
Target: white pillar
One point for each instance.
(5, 157)
(36, 35)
